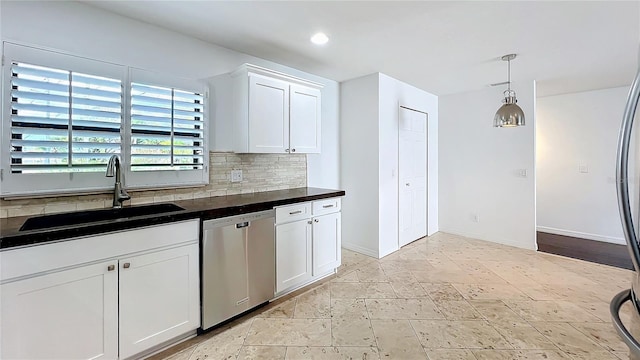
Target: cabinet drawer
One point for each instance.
(327, 206)
(293, 212)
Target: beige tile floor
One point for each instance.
(444, 297)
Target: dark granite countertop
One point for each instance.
(205, 208)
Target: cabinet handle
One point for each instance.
(126, 265)
(328, 206)
(111, 267)
(286, 150)
(293, 150)
(316, 220)
(309, 222)
(295, 212)
(408, 184)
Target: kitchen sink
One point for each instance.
(82, 217)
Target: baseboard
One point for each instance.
(581, 235)
(360, 249)
(584, 249)
(493, 239)
(388, 252)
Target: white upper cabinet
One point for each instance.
(268, 115)
(274, 112)
(304, 119)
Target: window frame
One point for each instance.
(74, 183)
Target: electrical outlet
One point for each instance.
(236, 175)
(583, 168)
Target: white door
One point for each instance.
(293, 254)
(412, 176)
(326, 243)
(268, 115)
(159, 298)
(304, 119)
(71, 314)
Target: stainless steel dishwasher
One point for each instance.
(238, 265)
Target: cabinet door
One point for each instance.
(268, 115)
(293, 254)
(71, 314)
(159, 298)
(305, 125)
(326, 243)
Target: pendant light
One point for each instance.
(509, 114)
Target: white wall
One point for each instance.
(369, 167)
(83, 30)
(392, 95)
(479, 166)
(359, 164)
(573, 130)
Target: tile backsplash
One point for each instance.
(260, 172)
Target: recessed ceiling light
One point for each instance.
(319, 39)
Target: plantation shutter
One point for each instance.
(167, 128)
(63, 121)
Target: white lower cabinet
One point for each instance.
(88, 299)
(307, 248)
(327, 231)
(293, 254)
(71, 314)
(159, 298)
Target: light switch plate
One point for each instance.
(236, 175)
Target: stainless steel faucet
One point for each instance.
(119, 194)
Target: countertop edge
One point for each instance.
(193, 209)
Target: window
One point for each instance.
(62, 121)
(166, 128)
(65, 116)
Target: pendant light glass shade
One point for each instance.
(509, 114)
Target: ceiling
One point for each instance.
(441, 47)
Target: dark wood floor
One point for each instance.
(583, 249)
